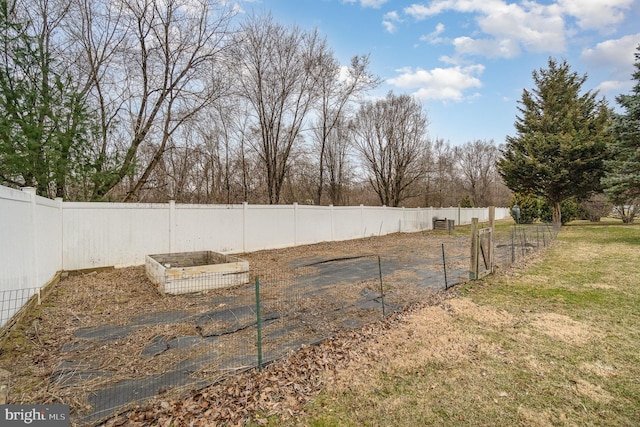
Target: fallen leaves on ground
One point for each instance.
(283, 387)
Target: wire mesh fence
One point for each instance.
(141, 342)
(14, 302)
(520, 241)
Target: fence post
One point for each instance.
(172, 226)
(34, 239)
(245, 207)
(259, 324)
(444, 264)
(61, 212)
(295, 223)
(381, 287)
(492, 222)
(513, 244)
(473, 266)
(332, 220)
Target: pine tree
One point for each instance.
(622, 182)
(44, 124)
(560, 142)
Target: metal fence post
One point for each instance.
(444, 263)
(513, 245)
(259, 324)
(381, 288)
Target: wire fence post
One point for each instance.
(381, 287)
(259, 324)
(444, 263)
(513, 244)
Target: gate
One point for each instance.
(481, 260)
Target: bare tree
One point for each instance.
(177, 47)
(276, 76)
(335, 91)
(441, 181)
(96, 35)
(336, 162)
(149, 68)
(391, 136)
(477, 165)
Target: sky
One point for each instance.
(468, 61)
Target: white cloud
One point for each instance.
(596, 14)
(420, 12)
(491, 48)
(393, 16)
(614, 86)
(535, 27)
(614, 53)
(389, 21)
(509, 27)
(434, 36)
(376, 4)
(389, 26)
(590, 14)
(436, 7)
(439, 83)
(372, 3)
(449, 60)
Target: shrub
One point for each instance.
(466, 202)
(569, 210)
(529, 207)
(595, 207)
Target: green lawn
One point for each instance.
(555, 342)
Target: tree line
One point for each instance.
(139, 100)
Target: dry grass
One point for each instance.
(553, 342)
(43, 373)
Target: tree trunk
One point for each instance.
(557, 216)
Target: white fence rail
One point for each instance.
(39, 237)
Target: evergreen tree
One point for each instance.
(44, 125)
(560, 142)
(622, 182)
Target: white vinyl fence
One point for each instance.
(39, 236)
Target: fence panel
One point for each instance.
(269, 227)
(113, 234)
(373, 221)
(31, 249)
(18, 267)
(17, 260)
(313, 224)
(48, 244)
(208, 227)
(347, 222)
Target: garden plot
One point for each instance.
(104, 341)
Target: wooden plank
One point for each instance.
(473, 262)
